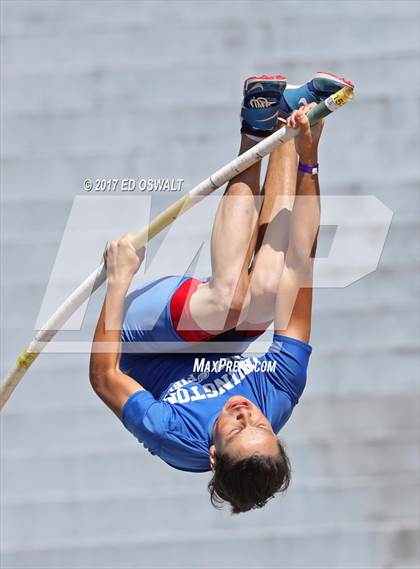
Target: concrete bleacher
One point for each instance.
(152, 90)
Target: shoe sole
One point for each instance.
(264, 79)
(327, 75)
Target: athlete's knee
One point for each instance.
(264, 284)
(232, 295)
(241, 298)
(238, 189)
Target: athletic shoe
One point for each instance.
(319, 88)
(261, 104)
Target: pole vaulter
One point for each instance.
(165, 218)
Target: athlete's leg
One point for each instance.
(215, 306)
(273, 237)
(279, 189)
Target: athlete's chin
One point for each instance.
(236, 401)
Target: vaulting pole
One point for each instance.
(165, 218)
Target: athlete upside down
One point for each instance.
(224, 419)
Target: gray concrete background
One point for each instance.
(151, 89)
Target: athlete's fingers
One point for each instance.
(110, 249)
(300, 118)
(307, 107)
(291, 122)
(127, 240)
(141, 253)
(302, 121)
(105, 253)
(124, 239)
(295, 119)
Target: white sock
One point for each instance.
(254, 138)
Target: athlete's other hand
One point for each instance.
(308, 138)
(122, 260)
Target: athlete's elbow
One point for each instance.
(96, 381)
(100, 380)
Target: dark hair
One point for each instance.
(250, 482)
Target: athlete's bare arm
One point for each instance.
(294, 297)
(112, 386)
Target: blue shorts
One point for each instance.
(152, 314)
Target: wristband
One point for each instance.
(308, 169)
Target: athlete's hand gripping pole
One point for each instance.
(165, 218)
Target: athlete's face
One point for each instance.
(241, 430)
